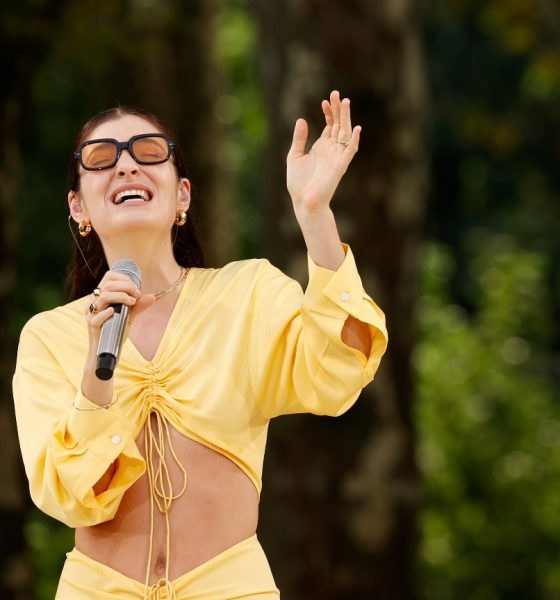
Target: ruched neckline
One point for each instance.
(129, 344)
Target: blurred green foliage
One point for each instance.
(48, 543)
(487, 361)
(240, 110)
(94, 38)
(490, 428)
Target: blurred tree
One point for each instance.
(344, 495)
(490, 425)
(160, 56)
(26, 35)
(487, 363)
(71, 60)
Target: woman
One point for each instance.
(159, 468)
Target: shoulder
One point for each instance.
(53, 343)
(246, 269)
(65, 320)
(245, 281)
(240, 274)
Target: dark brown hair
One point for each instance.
(186, 248)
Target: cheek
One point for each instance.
(166, 185)
(94, 184)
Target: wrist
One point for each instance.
(94, 389)
(314, 218)
(321, 237)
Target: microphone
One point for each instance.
(112, 331)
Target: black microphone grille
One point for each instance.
(130, 269)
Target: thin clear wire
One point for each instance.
(78, 245)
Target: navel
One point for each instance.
(160, 564)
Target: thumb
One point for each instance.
(299, 139)
(144, 302)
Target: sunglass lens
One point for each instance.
(150, 150)
(99, 155)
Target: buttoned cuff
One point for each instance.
(103, 431)
(340, 294)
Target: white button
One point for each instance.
(345, 296)
(116, 439)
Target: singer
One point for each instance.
(158, 464)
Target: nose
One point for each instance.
(126, 164)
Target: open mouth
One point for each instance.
(132, 196)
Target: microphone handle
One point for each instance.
(110, 342)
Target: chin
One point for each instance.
(135, 222)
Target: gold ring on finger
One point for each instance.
(97, 292)
(92, 308)
(346, 143)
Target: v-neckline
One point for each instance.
(168, 327)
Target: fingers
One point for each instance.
(345, 130)
(114, 288)
(329, 119)
(99, 317)
(335, 104)
(342, 125)
(335, 109)
(337, 117)
(327, 111)
(355, 139)
(338, 127)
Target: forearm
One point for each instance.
(325, 249)
(357, 335)
(321, 237)
(94, 389)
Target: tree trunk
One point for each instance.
(341, 497)
(178, 80)
(25, 40)
(171, 73)
(15, 575)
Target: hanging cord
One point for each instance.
(84, 256)
(78, 246)
(161, 492)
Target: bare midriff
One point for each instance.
(218, 509)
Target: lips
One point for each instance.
(132, 194)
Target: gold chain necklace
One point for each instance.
(182, 276)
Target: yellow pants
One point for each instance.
(241, 571)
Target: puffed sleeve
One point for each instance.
(300, 362)
(66, 451)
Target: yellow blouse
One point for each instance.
(243, 344)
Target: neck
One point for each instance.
(158, 267)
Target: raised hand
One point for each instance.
(313, 177)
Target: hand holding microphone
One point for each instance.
(112, 330)
(116, 291)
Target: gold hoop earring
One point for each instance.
(84, 228)
(181, 218)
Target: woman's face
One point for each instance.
(98, 201)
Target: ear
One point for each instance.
(184, 194)
(77, 211)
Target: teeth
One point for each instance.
(126, 193)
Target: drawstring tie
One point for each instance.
(162, 495)
(162, 590)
